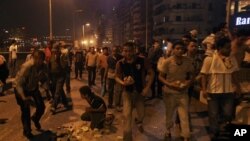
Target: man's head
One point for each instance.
(156, 44)
(105, 50)
(128, 50)
(186, 39)
(178, 48)
(2, 60)
(115, 50)
(85, 92)
(39, 58)
(92, 49)
(223, 45)
(32, 49)
(194, 33)
(192, 46)
(13, 42)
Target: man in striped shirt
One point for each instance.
(219, 85)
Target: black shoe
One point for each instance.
(36, 122)
(28, 135)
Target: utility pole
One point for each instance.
(146, 26)
(50, 21)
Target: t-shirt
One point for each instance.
(219, 76)
(175, 72)
(97, 102)
(136, 70)
(13, 50)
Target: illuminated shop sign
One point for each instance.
(242, 21)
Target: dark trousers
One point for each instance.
(220, 110)
(12, 66)
(156, 84)
(78, 69)
(67, 80)
(58, 91)
(96, 119)
(91, 75)
(25, 108)
(111, 87)
(103, 81)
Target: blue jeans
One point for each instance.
(220, 107)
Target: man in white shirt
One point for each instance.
(91, 63)
(13, 57)
(218, 85)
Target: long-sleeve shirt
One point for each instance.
(28, 77)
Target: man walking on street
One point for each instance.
(91, 63)
(27, 87)
(130, 73)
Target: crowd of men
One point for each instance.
(169, 70)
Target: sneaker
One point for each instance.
(36, 122)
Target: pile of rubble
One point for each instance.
(81, 131)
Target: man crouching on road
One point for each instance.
(26, 87)
(96, 113)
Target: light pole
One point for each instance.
(146, 26)
(74, 21)
(50, 21)
(83, 29)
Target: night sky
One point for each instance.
(34, 14)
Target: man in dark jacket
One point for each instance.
(4, 73)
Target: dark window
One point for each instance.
(178, 18)
(210, 7)
(159, 10)
(194, 5)
(157, 2)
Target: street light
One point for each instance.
(83, 29)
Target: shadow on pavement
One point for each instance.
(151, 137)
(3, 101)
(69, 108)
(45, 136)
(3, 120)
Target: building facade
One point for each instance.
(174, 18)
